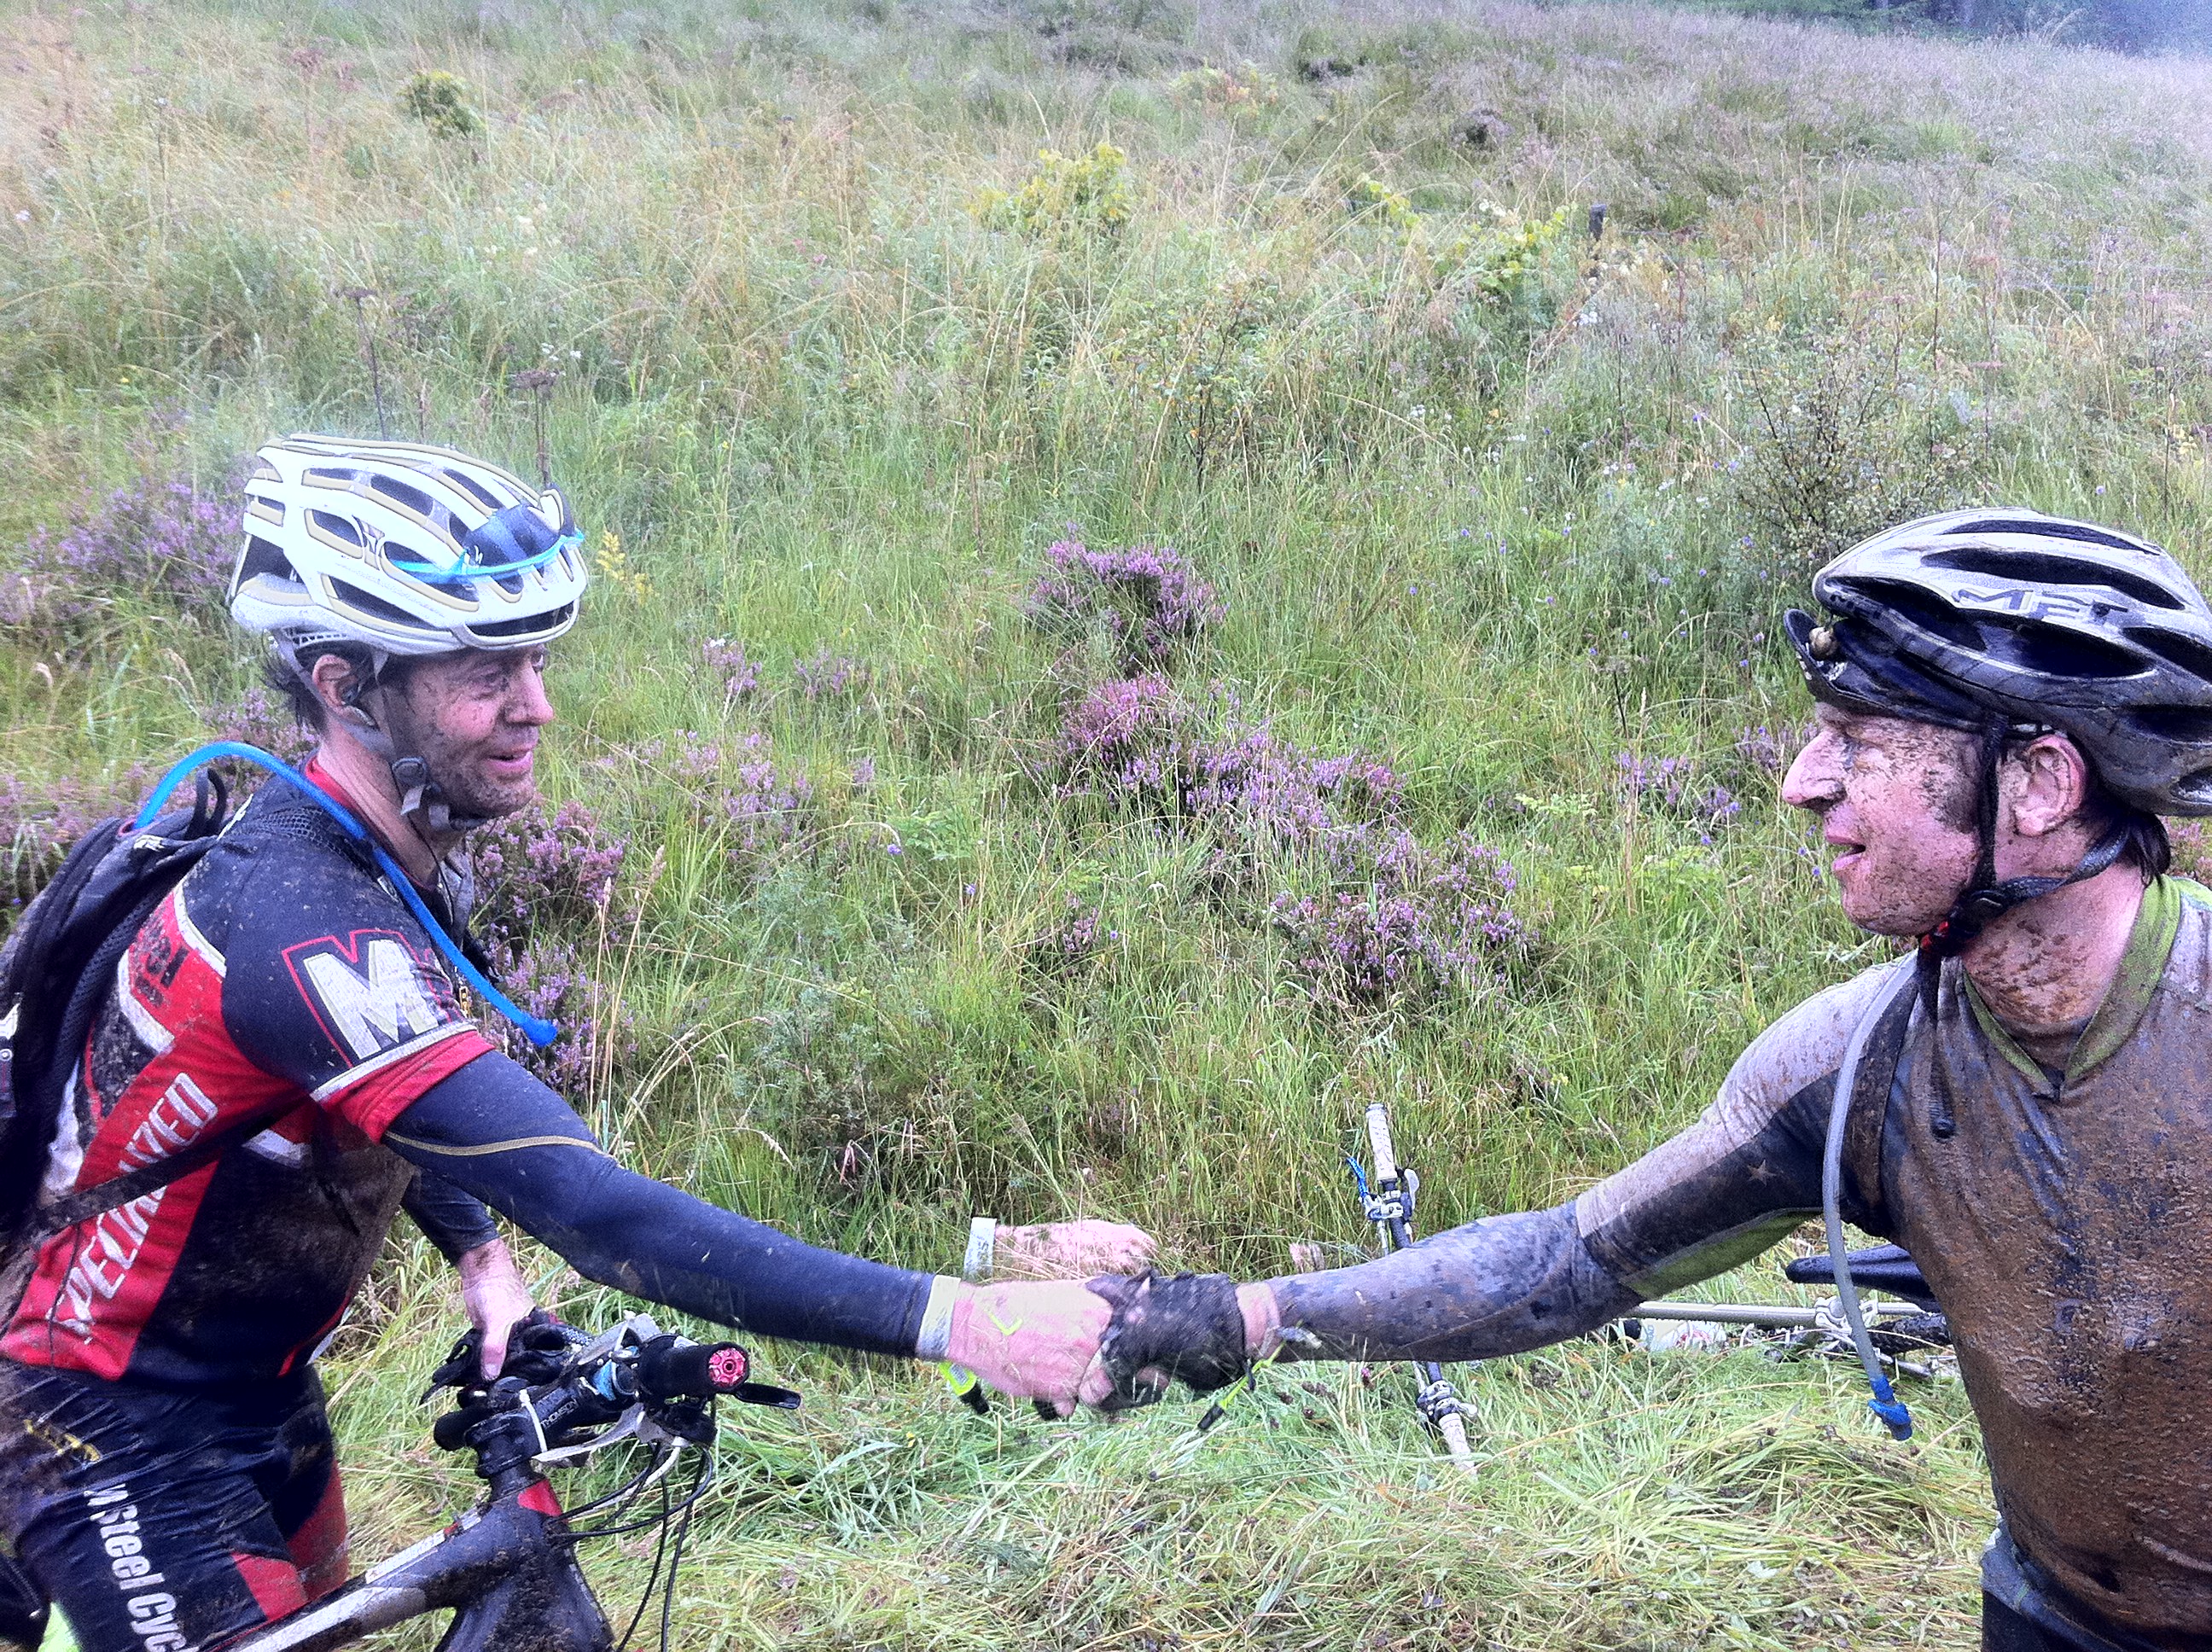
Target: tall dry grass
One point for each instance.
(1500, 530)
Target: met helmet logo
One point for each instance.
(2027, 601)
(371, 995)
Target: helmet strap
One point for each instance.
(425, 806)
(1986, 899)
(422, 803)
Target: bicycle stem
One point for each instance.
(1390, 1207)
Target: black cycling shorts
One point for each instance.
(169, 1520)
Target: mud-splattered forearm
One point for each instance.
(1700, 1203)
(1497, 1286)
(450, 1218)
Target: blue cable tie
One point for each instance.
(1892, 1411)
(539, 1031)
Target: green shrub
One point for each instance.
(440, 101)
(1066, 194)
(1845, 438)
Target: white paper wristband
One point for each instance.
(936, 1334)
(982, 1248)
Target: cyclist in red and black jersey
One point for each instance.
(2007, 703)
(166, 1467)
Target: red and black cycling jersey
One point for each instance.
(281, 983)
(284, 992)
(284, 987)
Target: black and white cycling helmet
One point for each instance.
(403, 546)
(1982, 616)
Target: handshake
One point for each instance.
(1086, 1320)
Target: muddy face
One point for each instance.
(475, 718)
(1896, 803)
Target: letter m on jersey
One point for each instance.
(370, 990)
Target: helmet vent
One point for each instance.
(2184, 724)
(533, 625)
(2031, 567)
(2186, 652)
(1922, 608)
(336, 526)
(356, 598)
(2047, 650)
(261, 557)
(473, 489)
(2044, 528)
(401, 494)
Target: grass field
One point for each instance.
(912, 870)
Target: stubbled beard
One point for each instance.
(464, 792)
(485, 803)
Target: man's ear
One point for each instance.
(2052, 788)
(337, 684)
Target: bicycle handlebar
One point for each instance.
(669, 1367)
(570, 1383)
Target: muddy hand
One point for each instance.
(1031, 1341)
(1190, 1328)
(1072, 1250)
(496, 1298)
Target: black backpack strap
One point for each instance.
(85, 1203)
(92, 989)
(55, 971)
(18, 1258)
(1877, 1090)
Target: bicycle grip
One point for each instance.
(668, 1368)
(451, 1432)
(1379, 1137)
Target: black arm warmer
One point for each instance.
(1498, 1286)
(452, 1221)
(496, 1133)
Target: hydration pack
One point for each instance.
(57, 967)
(61, 960)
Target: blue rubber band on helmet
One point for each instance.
(539, 1031)
(461, 572)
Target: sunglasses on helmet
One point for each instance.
(517, 538)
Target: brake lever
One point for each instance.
(630, 1424)
(767, 1394)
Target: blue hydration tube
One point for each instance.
(1885, 1403)
(538, 1031)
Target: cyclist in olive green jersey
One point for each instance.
(2008, 702)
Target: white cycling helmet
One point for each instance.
(403, 546)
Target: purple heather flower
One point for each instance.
(155, 538)
(827, 675)
(1670, 785)
(727, 658)
(39, 822)
(1397, 917)
(546, 886)
(259, 717)
(1770, 750)
(1075, 940)
(1421, 921)
(1144, 598)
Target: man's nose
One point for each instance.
(527, 702)
(1813, 781)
